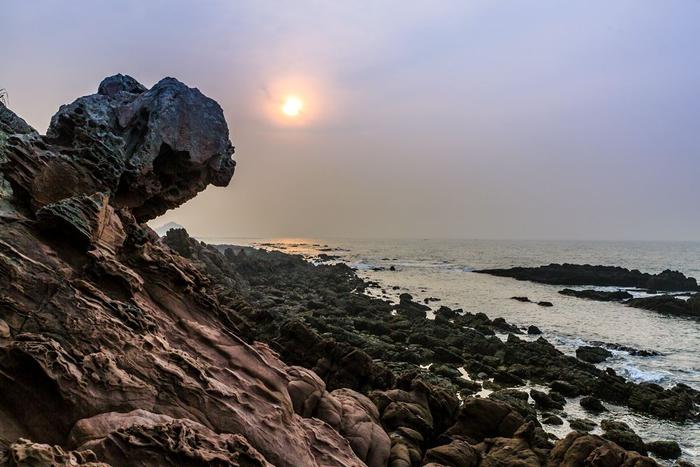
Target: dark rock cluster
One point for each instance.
(117, 347)
(601, 296)
(669, 305)
(585, 274)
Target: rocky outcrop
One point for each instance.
(598, 295)
(113, 340)
(579, 449)
(670, 305)
(593, 354)
(146, 150)
(479, 419)
(585, 274)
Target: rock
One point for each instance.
(564, 388)
(544, 401)
(113, 85)
(99, 426)
(632, 350)
(582, 424)
(501, 324)
(446, 370)
(87, 221)
(143, 438)
(399, 408)
(517, 400)
(557, 397)
(622, 434)
(585, 274)
(10, 124)
(664, 449)
(146, 150)
(612, 387)
(470, 387)
(533, 330)
(359, 424)
(457, 453)
(593, 354)
(4, 330)
(673, 404)
(578, 449)
(446, 313)
(669, 304)
(545, 304)
(592, 404)
(484, 418)
(552, 420)
(521, 299)
(505, 378)
(601, 296)
(411, 309)
(23, 452)
(515, 451)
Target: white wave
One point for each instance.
(362, 266)
(644, 376)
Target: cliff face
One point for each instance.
(109, 341)
(119, 348)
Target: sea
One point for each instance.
(444, 270)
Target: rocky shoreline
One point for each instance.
(118, 347)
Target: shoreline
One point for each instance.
(457, 287)
(502, 388)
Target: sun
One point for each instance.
(292, 106)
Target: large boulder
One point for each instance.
(481, 418)
(359, 424)
(579, 449)
(623, 435)
(352, 414)
(664, 449)
(457, 453)
(516, 451)
(147, 150)
(593, 354)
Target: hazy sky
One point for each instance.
(465, 119)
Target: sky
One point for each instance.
(428, 119)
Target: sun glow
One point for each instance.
(292, 106)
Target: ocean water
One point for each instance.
(442, 269)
